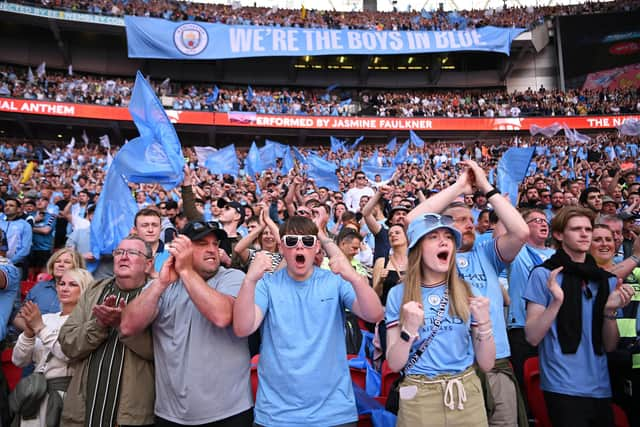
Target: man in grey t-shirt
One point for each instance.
(202, 368)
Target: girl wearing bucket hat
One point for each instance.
(436, 331)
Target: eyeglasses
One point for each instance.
(432, 220)
(129, 253)
(538, 221)
(361, 177)
(291, 240)
(302, 212)
(201, 225)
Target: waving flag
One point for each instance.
(250, 94)
(356, 143)
(371, 172)
(323, 172)
(548, 131)
(373, 160)
(268, 156)
(280, 148)
(287, 162)
(415, 139)
(223, 161)
(401, 155)
(392, 144)
(630, 127)
(114, 214)
(253, 163)
(512, 168)
(153, 157)
(336, 144)
(156, 155)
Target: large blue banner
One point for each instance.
(159, 38)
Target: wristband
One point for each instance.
(406, 336)
(611, 316)
(635, 259)
(492, 192)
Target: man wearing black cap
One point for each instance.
(202, 374)
(231, 217)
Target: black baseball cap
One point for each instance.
(196, 230)
(235, 205)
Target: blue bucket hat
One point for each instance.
(427, 223)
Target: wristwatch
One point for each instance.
(406, 336)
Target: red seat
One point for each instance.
(535, 397)
(254, 375)
(11, 372)
(619, 417)
(25, 287)
(388, 377)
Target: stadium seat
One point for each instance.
(358, 376)
(388, 377)
(535, 397)
(619, 417)
(254, 375)
(25, 287)
(11, 372)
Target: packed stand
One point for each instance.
(525, 17)
(210, 262)
(17, 82)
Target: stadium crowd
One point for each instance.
(16, 82)
(214, 229)
(524, 17)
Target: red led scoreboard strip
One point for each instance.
(242, 119)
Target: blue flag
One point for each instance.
(223, 161)
(512, 168)
(336, 144)
(345, 102)
(332, 87)
(153, 157)
(373, 160)
(401, 155)
(216, 92)
(253, 163)
(356, 143)
(299, 156)
(392, 144)
(281, 149)
(114, 214)
(371, 171)
(268, 156)
(323, 172)
(156, 155)
(250, 94)
(415, 139)
(287, 162)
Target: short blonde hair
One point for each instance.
(81, 276)
(76, 258)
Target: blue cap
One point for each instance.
(427, 223)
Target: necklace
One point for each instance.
(433, 285)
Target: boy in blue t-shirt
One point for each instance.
(572, 306)
(303, 371)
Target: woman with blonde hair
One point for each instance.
(44, 293)
(38, 344)
(436, 331)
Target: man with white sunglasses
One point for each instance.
(303, 371)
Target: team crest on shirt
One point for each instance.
(433, 299)
(190, 39)
(463, 263)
